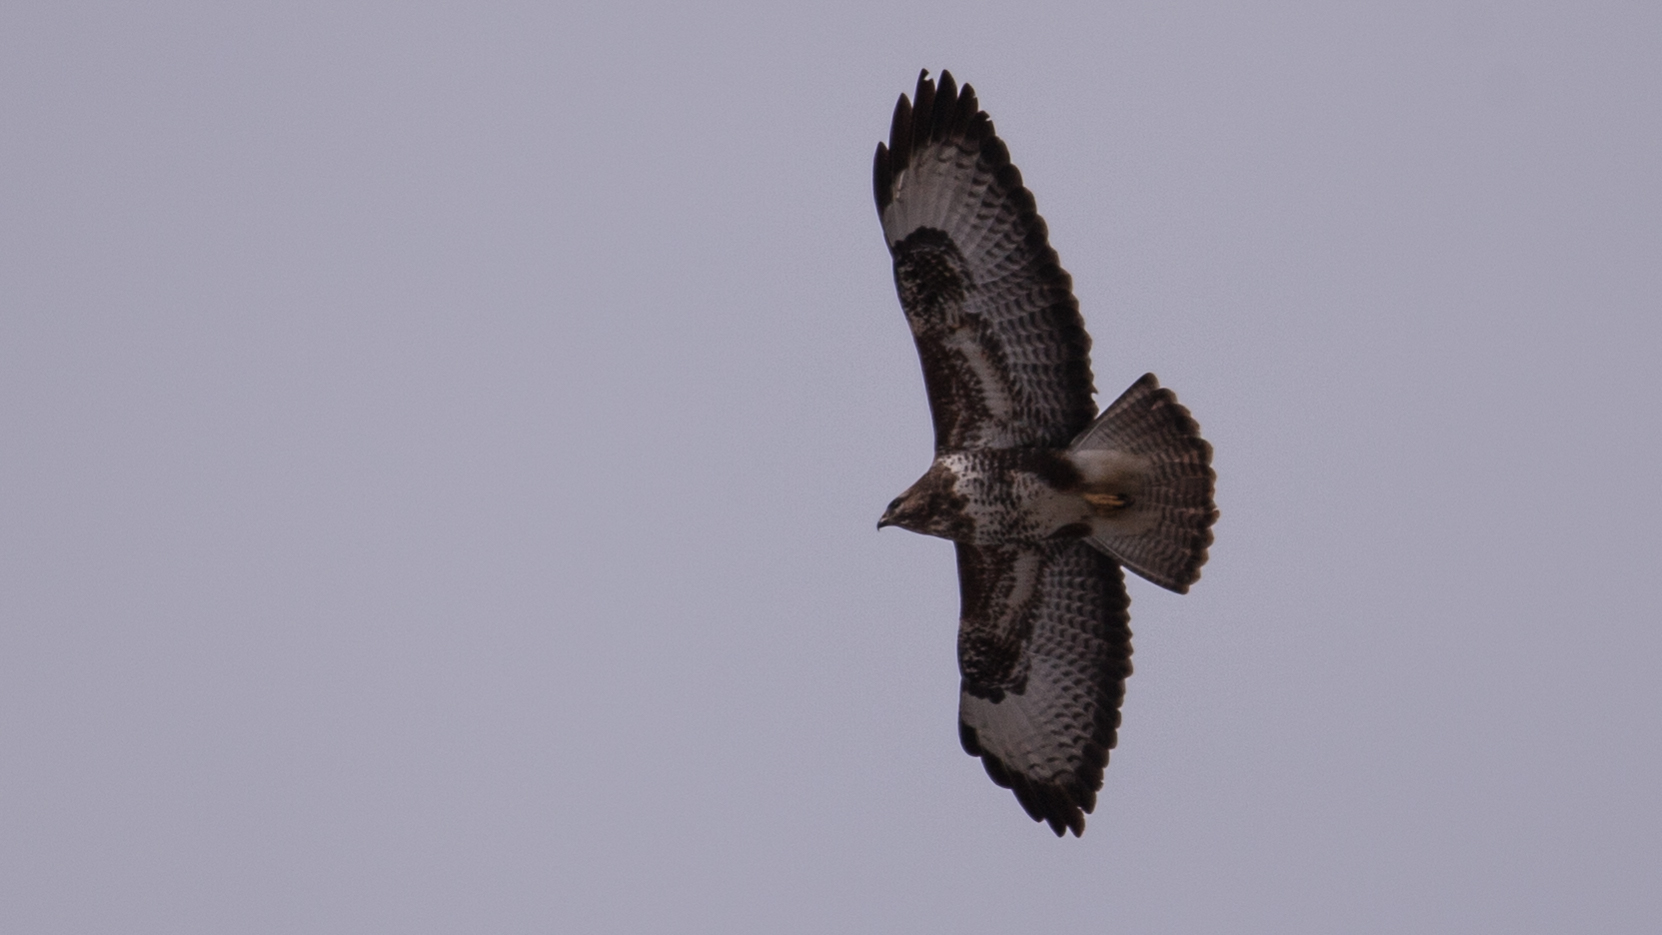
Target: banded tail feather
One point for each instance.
(1155, 470)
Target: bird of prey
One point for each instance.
(1044, 499)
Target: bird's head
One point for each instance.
(930, 506)
(898, 513)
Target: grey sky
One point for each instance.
(440, 447)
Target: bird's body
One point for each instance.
(1044, 498)
(1006, 496)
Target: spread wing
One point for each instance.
(1044, 645)
(1006, 360)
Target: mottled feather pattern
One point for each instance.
(1000, 596)
(945, 179)
(1046, 738)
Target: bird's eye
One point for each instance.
(895, 504)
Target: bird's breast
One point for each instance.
(1016, 495)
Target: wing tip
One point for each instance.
(1061, 806)
(936, 111)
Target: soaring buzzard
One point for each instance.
(1043, 498)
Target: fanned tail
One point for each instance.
(1148, 476)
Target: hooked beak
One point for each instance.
(888, 518)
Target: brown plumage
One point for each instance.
(1044, 498)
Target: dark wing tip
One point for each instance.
(934, 113)
(945, 105)
(923, 106)
(900, 131)
(1062, 807)
(882, 178)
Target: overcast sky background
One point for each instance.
(440, 446)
